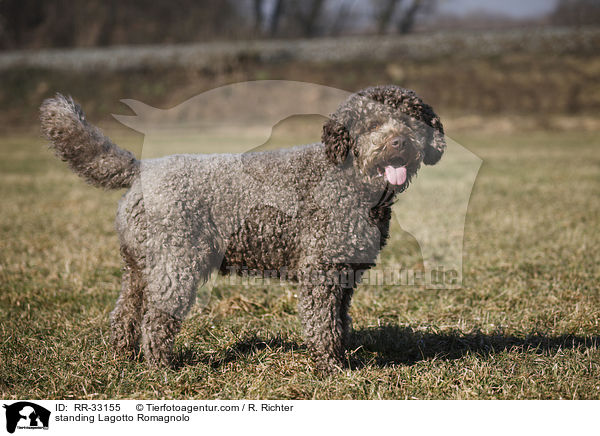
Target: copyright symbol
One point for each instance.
(139, 407)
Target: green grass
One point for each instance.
(526, 323)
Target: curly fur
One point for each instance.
(87, 151)
(187, 215)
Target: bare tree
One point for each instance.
(308, 17)
(258, 15)
(341, 18)
(276, 17)
(298, 18)
(384, 12)
(407, 19)
(576, 13)
(399, 12)
(19, 18)
(65, 23)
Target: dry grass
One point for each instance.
(525, 325)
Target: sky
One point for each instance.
(512, 8)
(516, 9)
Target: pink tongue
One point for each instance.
(396, 176)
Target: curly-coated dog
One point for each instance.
(186, 215)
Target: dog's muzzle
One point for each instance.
(400, 156)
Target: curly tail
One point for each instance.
(88, 152)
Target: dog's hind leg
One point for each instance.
(159, 330)
(127, 315)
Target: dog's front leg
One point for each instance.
(320, 307)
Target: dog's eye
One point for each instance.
(373, 125)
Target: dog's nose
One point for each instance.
(397, 142)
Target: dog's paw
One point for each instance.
(159, 360)
(329, 366)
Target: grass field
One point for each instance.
(526, 323)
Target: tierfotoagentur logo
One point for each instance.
(25, 415)
(245, 118)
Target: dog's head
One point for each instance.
(387, 131)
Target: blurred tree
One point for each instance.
(258, 15)
(408, 18)
(404, 15)
(17, 17)
(307, 13)
(63, 23)
(290, 18)
(67, 23)
(341, 18)
(576, 13)
(384, 12)
(275, 17)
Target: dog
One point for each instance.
(185, 216)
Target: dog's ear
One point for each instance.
(435, 148)
(337, 140)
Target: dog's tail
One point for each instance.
(88, 152)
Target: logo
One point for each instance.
(248, 117)
(26, 415)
